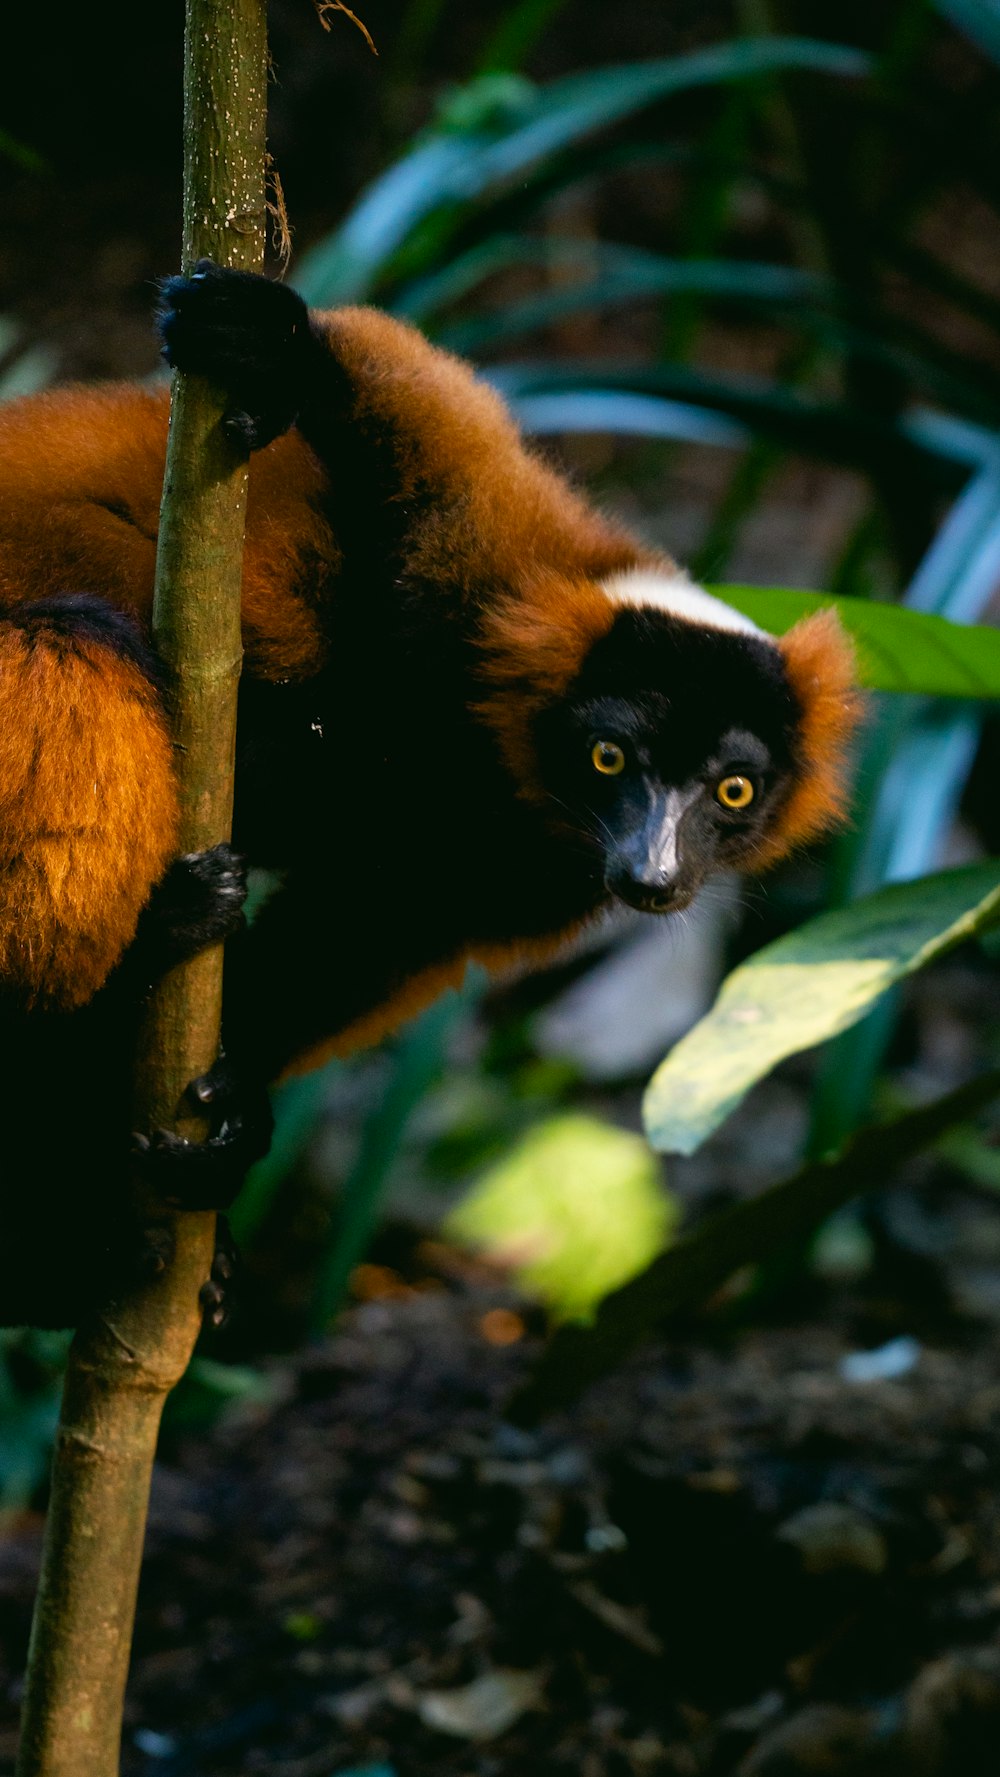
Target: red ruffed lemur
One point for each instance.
(473, 713)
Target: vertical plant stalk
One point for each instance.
(124, 1362)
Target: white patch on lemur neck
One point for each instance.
(677, 596)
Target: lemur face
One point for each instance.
(673, 754)
(663, 830)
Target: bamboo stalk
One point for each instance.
(126, 1359)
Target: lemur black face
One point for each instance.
(672, 755)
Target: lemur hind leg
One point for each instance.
(153, 1250)
(88, 807)
(208, 1174)
(91, 899)
(198, 902)
(217, 1294)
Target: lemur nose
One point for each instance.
(648, 897)
(661, 902)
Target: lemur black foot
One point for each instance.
(153, 1253)
(216, 1296)
(198, 902)
(208, 1174)
(248, 335)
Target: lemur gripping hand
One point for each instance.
(246, 334)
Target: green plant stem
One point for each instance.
(125, 1360)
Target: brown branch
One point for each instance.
(126, 1359)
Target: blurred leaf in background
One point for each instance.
(572, 1211)
(31, 1364)
(499, 129)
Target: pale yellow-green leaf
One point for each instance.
(807, 987)
(574, 1210)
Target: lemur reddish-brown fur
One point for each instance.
(87, 807)
(435, 626)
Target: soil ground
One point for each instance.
(730, 1558)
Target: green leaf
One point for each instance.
(367, 1771)
(575, 1209)
(625, 272)
(519, 29)
(298, 1110)
(627, 415)
(579, 104)
(462, 165)
(797, 299)
(977, 1159)
(978, 19)
(420, 1056)
(807, 987)
(898, 649)
(930, 458)
(21, 154)
(628, 274)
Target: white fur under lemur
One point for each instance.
(678, 596)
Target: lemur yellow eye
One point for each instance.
(607, 758)
(734, 792)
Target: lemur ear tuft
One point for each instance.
(820, 662)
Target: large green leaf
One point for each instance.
(898, 649)
(574, 1210)
(807, 987)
